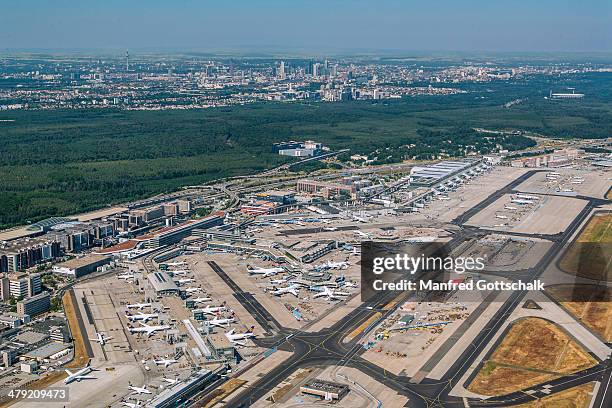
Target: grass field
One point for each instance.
(590, 304)
(533, 351)
(80, 352)
(591, 254)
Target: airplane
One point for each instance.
(212, 310)
(139, 306)
(165, 362)
(184, 280)
(500, 225)
(80, 375)
(236, 338)
(145, 328)
(193, 289)
(333, 265)
(527, 197)
(202, 299)
(265, 272)
(330, 229)
(176, 263)
(220, 322)
(331, 294)
(101, 338)
(443, 198)
(293, 289)
(577, 181)
(350, 284)
(521, 201)
(180, 272)
(281, 280)
(136, 404)
(139, 390)
(126, 276)
(171, 381)
(507, 207)
(145, 317)
(501, 217)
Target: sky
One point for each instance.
(324, 25)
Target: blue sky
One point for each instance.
(439, 25)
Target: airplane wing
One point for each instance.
(240, 343)
(85, 377)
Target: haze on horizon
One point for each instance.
(447, 25)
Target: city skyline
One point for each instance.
(473, 26)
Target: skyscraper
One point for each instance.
(281, 70)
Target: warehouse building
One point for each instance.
(81, 266)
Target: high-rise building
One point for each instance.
(281, 70)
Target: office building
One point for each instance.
(22, 285)
(35, 305)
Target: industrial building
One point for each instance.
(327, 390)
(81, 266)
(163, 284)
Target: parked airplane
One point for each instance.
(362, 234)
(193, 289)
(165, 362)
(507, 207)
(221, 322)
(330, 229)
(236, 338)
(293, 289)
(265, 272)
(500, 225)
(521, 201)
(145, 328)
(80, 375)
(212, 310)
(281, 280)
(331, 294)
(184, 280)
(176, 263)
(101, 338)
(139, 390)
(180, 272)
(333, 265)
(145, 317)
(136, 404)
(501, 217)
(171, 381)
(202, 299)
(139, 306)
(527, 196)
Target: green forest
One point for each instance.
(63, 162)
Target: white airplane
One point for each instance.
(293, 289)
(577, 181)
(165, 362)
(265, 272)
(193, 289)
(101, 338)
(501, 217)
(202, 299)
(184, 280)
(145, 328)
(336, 265)
(180, 272)
(212, 310)
(348, 284)
(521, 201)
(80, 375)
(176, 263)
(279, 281)
(508, 207)
(138, 306)
(139, 390)
(500, 225)
(136, 404)
(331, 294)
(171, 381)
(126, 276)
(145, 317)
(236, 338)
(330, 229)
(527, 196)
(221, 322)
(444, 198)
